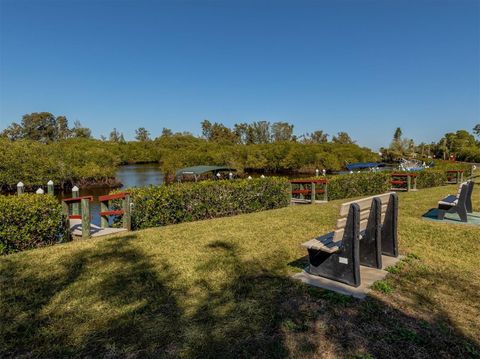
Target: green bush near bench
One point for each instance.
(184, 202)
(357, 184)
(30, 221)
(431, 178)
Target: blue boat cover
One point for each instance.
(363, 165)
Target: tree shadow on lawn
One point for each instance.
(137, 314)
(241, 309)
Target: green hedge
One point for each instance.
(357, 184)
(184, 202)
(30, 221)
(431, 178)
(365, 184)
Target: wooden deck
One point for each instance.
(95, 231)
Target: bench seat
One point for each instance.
(449, 201)
(326, 243)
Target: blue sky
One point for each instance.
(364, 67)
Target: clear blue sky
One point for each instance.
(363, 67)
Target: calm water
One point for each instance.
(130, 176)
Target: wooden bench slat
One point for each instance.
(329, 242)
(364, 203)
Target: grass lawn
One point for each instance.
(222, 288)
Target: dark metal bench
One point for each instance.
(461, 203)
(365, 230)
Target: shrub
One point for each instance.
(357, 184)
(431, 178)
(30, 221)
(184, 202)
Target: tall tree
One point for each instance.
(79, 131)
(63, 131)
(217, 132)
(166, 132)
(244, 133)
(142, 135)
(397, 136)
(206, 129)
(13, 132)
(261, 132)
(317, 136)
(342, 138)
(282, 131)
(39, 126)
(476, 130)
(114, 136)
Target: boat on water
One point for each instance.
(413, 165)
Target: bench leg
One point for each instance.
(370, 242)
(389, 228)
(462, 212)
(342, 266)
(441, 214)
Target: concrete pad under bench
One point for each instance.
(368, 277)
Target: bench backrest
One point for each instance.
(460, 186)
(365, 205)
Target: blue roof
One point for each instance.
(362, 165)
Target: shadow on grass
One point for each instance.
(234, 307)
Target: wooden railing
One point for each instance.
(455, 176)
(85, 212)
(404, 182)
(310, 188)
(105, 211)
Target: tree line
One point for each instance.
(46, 127)
(460, 145)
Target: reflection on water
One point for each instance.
(140, 175)
(130, 176)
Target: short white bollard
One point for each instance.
(50, 188)
(40, 191)
(20, 188)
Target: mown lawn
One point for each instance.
(222, 288)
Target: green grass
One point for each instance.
(223, 288)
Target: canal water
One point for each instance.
(139, 175)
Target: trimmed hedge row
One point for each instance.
(184, 202)
(431, 178)
(366, 184)
(357, 184)
(30, 221)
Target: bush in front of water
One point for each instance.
(431, 178)
(184, 202)
(357, 184)
(30, 221)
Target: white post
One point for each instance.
(20, 188)
(40, 191)
(317, 172)
(75, 206)
(50, 188)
